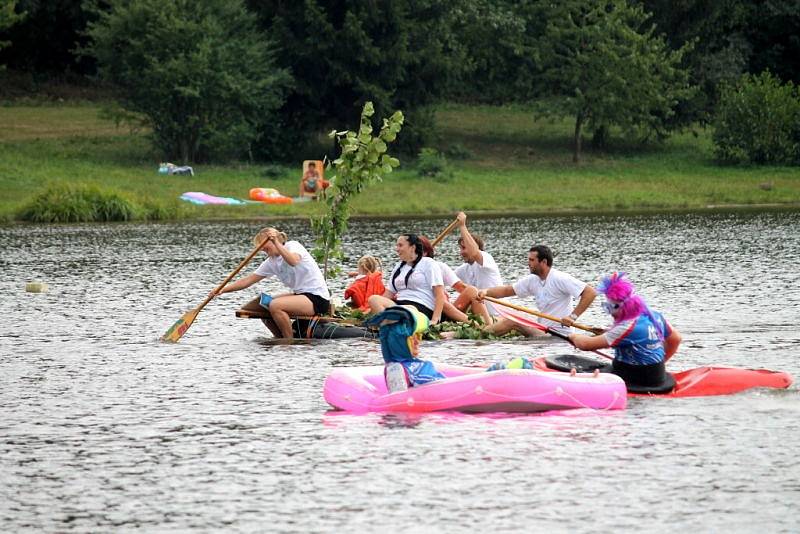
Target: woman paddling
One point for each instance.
(291, 263)
(415, 281)
(642, 339)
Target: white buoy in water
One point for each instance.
(37, 286)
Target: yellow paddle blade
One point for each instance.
(180, 327)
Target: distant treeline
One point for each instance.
(640, 68)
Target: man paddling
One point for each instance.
(553, 291)
(478, 270)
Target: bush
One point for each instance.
(758, 121)
(432, 164)
(458, 151)
(274, 170)
(65, 203)
(201, 73)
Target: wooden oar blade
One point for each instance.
(180, 327)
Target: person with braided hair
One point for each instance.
(416, 281)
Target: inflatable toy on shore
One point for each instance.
(268, 195)
(201, 199)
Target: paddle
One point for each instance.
(540, 314)
(527, 322)
(444, 233)
(180, 327)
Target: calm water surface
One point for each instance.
(103, 428)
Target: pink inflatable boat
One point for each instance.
(472, 390)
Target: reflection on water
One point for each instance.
(103, 428)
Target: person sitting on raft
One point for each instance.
(291, 263)
(642, 339)
(368, 282)
(415, 281)
(552, 289)
(479, 268)
(466, 293)
(400, 333)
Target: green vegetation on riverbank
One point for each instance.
(516, 163)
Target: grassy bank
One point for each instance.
(515, 164)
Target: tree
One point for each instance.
(501, 39)
(8, 17)
(364, 159)
(604, 68)
(721, 50)
(199, 71)
(398, 54)
(758, 121)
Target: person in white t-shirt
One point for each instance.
(553, 291)
(479, 269)
(291, 263)
(466, 294)
(415, 281)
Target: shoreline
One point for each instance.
(474, 214)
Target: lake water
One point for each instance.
(105, 429)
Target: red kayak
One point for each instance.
(702, 381)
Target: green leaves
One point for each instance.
(601, 67)
(758, 121)
(363, 160)
(200, 71)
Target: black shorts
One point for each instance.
(421, 307)
(321, 306)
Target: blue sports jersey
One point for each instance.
(637, 342)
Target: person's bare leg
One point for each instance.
(285, 307)
(500, 327)
(255, 306)
(466, 300)
(378, 303)
(452, 312)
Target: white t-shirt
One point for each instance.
(305, 277)
(449, 276)
(481, 276)
(553, 295)
(426, 275)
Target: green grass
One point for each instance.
(520, 163)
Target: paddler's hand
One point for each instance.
(481, 295)
(461, 218)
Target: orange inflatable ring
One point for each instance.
(269, 196)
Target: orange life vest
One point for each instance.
(363, 288)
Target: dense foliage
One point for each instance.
(604, 67)
(199, 71)
(758, 121)
(78, 202)
(398, 54)
(642, 67)
(8, 17)
(364, 159)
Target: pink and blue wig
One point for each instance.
(621, 294)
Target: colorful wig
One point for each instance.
(621, 294)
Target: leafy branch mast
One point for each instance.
(364, 159)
